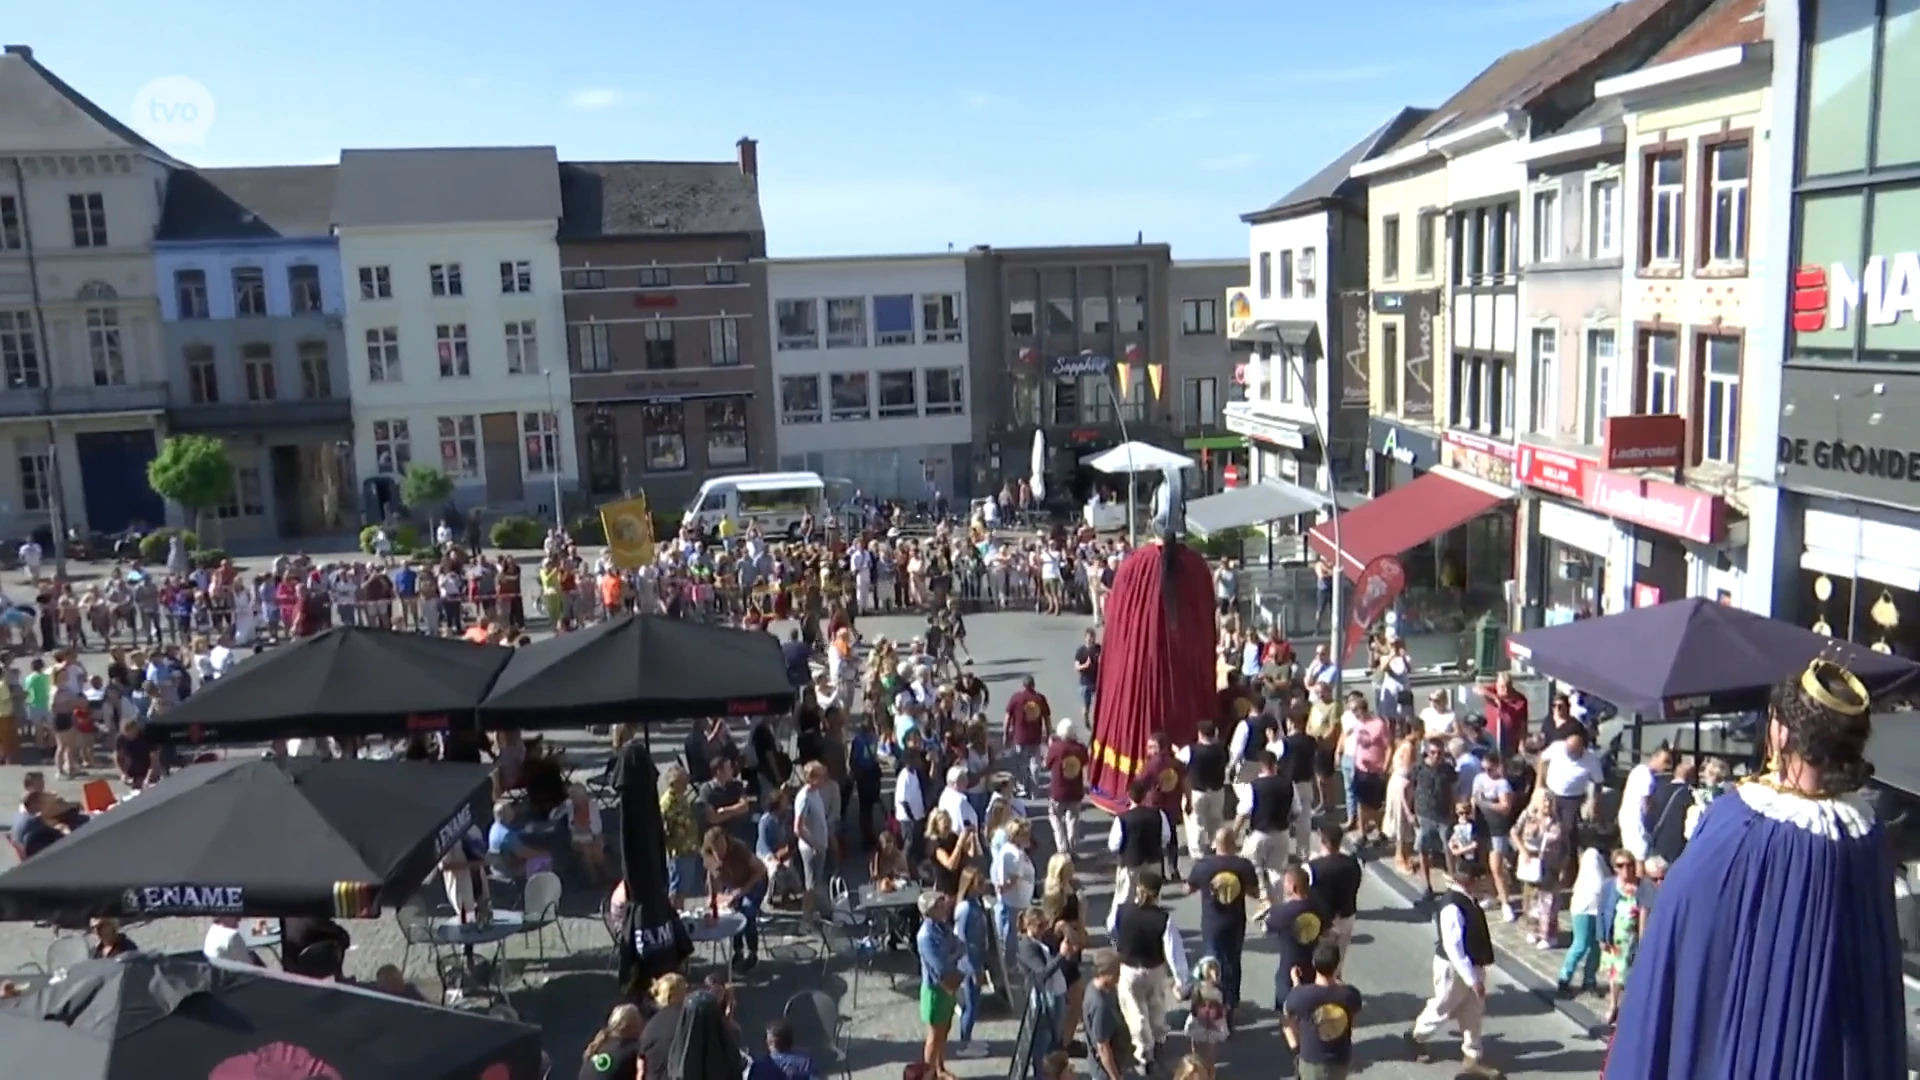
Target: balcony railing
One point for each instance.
(81, 401)
(249, 415)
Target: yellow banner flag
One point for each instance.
(1155, 373)
(1123, 374)
(629, 529)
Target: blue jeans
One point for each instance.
(1049, 1012)
(1003, 916)
(1348, 770)
(685, 875)
(748, 904)
(1584, 955)
(1226, 947)
(969, 1006)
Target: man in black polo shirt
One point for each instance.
(1297, 763)
(1335, 878)
(1153, 965)
(1462, 952)
(1206, 796)
(1268, 814)
(725, 802)
(1319, 1019)
(1140, 837)
(1222, 881)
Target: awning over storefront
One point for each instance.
(1215, 442)
(1403, 518)
(1255, 504)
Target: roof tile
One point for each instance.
(657, 198)
(289, 201)
(1722, 26)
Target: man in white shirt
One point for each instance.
(813, 831)
(1571, 773)
(1633, 800)
(223, 942)
(1459, 980)
(30, 557)
(1320, 670)
(955, 802)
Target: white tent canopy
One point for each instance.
(1137, 457)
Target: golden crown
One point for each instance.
(1814, 682)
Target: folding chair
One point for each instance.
(541, 910)
(819, 1030)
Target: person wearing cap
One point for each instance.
(1067, 761)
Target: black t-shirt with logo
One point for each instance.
(1223, 883)
(1298, 925)
(1323, 1019)
(1090, 656)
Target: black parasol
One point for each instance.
(654, 940)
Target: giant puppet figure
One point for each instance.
(1772, 952)
(1157, 664)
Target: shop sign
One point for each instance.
(1645, 441)
(1405, 445)
(1645, 595)
(1239, 313)
(1480, 457)
(1230, 475)
(1850, 433)
(1656, 504)
(1859, 459)
(1827, 297)
(1242, 420)
(1356, 363)
(1552, 470)
(1067, 367)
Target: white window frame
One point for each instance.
(540, 437)
(203, 374)
(105, 348)
(596, 348)
(723, 342)
(523, 347)
(896, 412)
(87, 214)
(12, 236)
(393, 442)
(896, 336)
(1199, 316)
(654, 277)
(1603, 228)
(1662, 380)
(1543, 391)
(1666, 247)
(35, 469)
(316, 372)
(723, 274)
(305, 294)
(1600, 375)
(383, 354)
(450, 347)
(1545, 208)
(259, 372)
(20, 362)
(516, 277)
(1735, 194)
(852, 318)
(465, 437)
(445, 279)
(376, 283)
(953, 382)
(789, 414)
(243, 496)
(940, 317)
(784, 311)
(1720, 388)
(249, 292)
(848, 415)
(1306, 273)
(190, 294)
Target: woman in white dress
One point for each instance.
(245, 616)
(1397, 823)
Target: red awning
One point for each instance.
(1402, 518)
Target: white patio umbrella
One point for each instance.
(1134, 458)
(1039, 463)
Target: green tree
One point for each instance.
(192, 470)
(425, 487)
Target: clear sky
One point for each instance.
(883, 127)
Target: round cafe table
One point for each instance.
(716, 932)
(466, 935)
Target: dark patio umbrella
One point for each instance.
(654, 941)
(1691, 657)
(636, 668)
(150, 1015)
(256, 837)
(346, 681)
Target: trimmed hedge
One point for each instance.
(515, 533)
(153, 546)
(404, 537)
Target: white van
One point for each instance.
(775, 501)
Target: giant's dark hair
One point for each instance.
(1825, 713)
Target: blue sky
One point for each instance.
(882, 127)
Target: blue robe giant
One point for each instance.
(1771, 952)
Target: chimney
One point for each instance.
(749, 156)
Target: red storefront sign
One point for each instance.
(1553, 470)
(1647, 441)
(1670, 508)
(1230, 474)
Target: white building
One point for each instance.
(455, 327)
(870, 369)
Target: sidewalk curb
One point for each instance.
(1510, 965)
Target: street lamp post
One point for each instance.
(1336, 640)
(554, 459)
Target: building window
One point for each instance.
(1200, 406)
(723, 342)
(657, 335)
(1720, 407)
(516, 277)
(190, 293)
(722, 274)
(1544, 409)
(541, 432)
(1505, 223)
(103, 345)
(1727, 204)
(1600, 381)
(588, 279)
(1390, 248)
(1426, 245)
(316, 375)
(893, 320)
(800, 399)
(726, 432)
(249, 291)
(303, 288)
(88, 215)
(665, 425)
(847, 323)
(392, 447)
(596, 350)
(1286, 275)
(1546, 226)
(1666, 210)
(523, 348)
(849, 393)
(656, 277)
(450, 342)
(383, 354)
(1309, 274)
(203, 376)
(376, 283)
(946, 391)
(445, 278)
(799, 324)
(459, 446)
(243, 499)
(12, 238)
(36, 481)
(1058, 291)
(1198, 317)
(19, 350)
(940, 316)
(899, 394)
(1482, 394)
(1603, 219)
(1131, 309)
(1659, 372)
(256, 365)
(1266, 275)
(1391, 366)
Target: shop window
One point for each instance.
(1576, 580)
(1829, 234)
(1897, 141)
(1892, 329)
(1882, 617)
(1839, 88)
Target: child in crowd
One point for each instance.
(1206, 1012)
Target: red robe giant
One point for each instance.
(1157, 664)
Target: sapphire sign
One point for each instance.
(1067, 367)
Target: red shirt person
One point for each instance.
(1028, 715)
(1067, 761)
(1166, 777)
(1506, 714)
